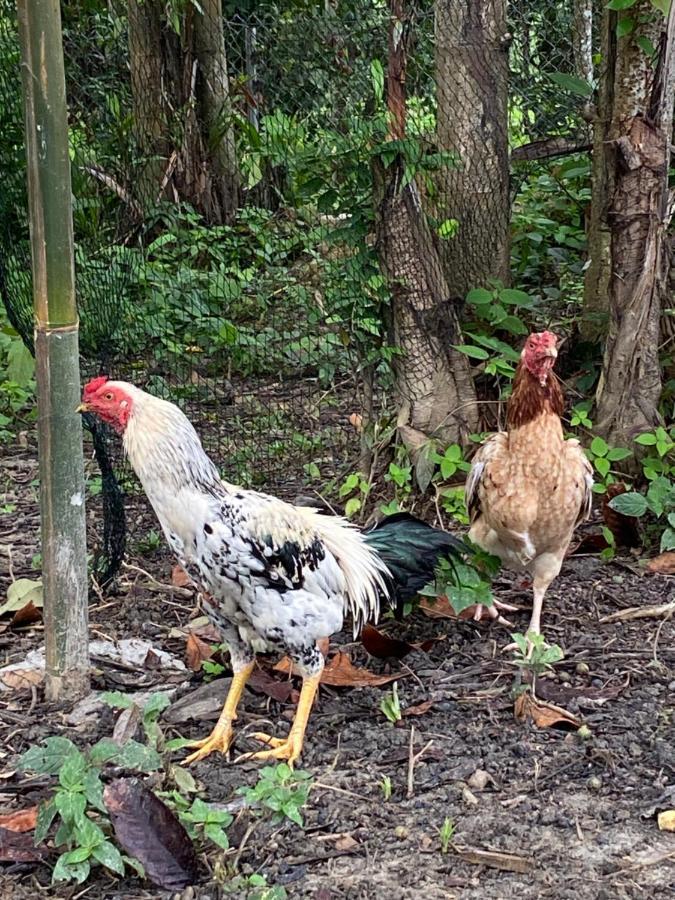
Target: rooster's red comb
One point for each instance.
(92, 386)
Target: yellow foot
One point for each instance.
(219, 740)
(289, 749)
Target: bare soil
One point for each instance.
(576, 817)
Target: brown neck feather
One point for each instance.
(529, 399)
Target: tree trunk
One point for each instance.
(636, 157)
(434, 383)
(472, 94)
(149, 94)
(213, 91)
(582, 44)
(181, 108)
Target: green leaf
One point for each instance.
(473, 352)
(572, 83)
(352, 506)
(515, 297)
(46, 815)
(135, 864)
(646, 46)
(624, 27)
(184, 779)
(668, 540)
(479, 296)
(78, 855)
(216, 834)
(73, 770)
(109, 856)
(629, 504)
(103, 751)
(377, 78)
(88, 834)
(49, 758)
(93, 790)
(71, 805)
(20, 363)
(513, 324)
(20, 593)
(602, 466)
(155, 705)
(621, 4)
(137, 756)
(663, 6)
(117, 699)
(647, 439)
(599, 447)
(617, 453)
(65, 871)
(178, 743)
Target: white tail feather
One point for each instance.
(365, 573)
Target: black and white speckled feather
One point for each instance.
(281, 577)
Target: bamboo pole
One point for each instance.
(64, 559)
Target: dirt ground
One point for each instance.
(564, 817)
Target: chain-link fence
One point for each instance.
(276, 211)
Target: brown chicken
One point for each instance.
(529, 487)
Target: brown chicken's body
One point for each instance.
(529, 487)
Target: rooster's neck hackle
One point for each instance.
(530, 399)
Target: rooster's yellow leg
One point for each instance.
(291, 748)
(223, 734)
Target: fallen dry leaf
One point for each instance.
(21, 820)
(441, 608)
(666, 820)
(147, 829)
(346, 842)
(382, 646)
(543, 714)
(509, 862)
(22, 679)
(27, 615)
(180, 578)
(356, 421)
(127, 725)
(264, 683)
(663, 564)
(419, 709)
(196, 651)
(324, 645)
(340, 671)
(17, 847)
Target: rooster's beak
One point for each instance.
(82, 408)
(551, 351)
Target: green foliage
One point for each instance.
(658, 467)
(461, 583)
(150, 713)
(534, 654)
(83, 833)
(386, 788)
(201, 820)
(391, 707)
(281, 791)
(254, 887)
(602, 456)
(446, 832)
(17, 381)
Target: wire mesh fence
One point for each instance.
(275, 210)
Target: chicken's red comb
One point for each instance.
(92, 386)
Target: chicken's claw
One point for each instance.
(288, 749)
(493, 612)
(220, 740)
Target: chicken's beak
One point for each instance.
(552, 352)
(82, 408)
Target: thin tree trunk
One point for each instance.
(637, 156)
(214, 100)
(472, 94)
(434, 383)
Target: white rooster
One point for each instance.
(281, 576)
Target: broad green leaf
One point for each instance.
(184, 779)
(70, 804)
(479, 296)
(216, 834)
(64, 871)
(105, 750)
(178, 743)
(515, 297)
(617, 453)
(629, 504)
(88, 834)
(155, 705)
(352, 506)
(646, 46)
(473, 352)
(117, 699)
(513, 324)
(73, 770)
(109, 856)
(621, 4)
(662, 6)
(20, 593)
(624, 27)
(377, 79)
(647, 439)
(668, 540)
(20, 363)
(46, 814)
(599, 447)
(572, 83)
(137, 756)
(78, 855)
(49, 758)
(93, 790)
(602, 465)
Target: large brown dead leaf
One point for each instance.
(263, 682)
(20, 820)
(147, 829)
(543, 714)
(663, 564)
(419, 709)
(441, 608)
(180, 578)
(22, 679)
(196, 651)
(27, 615)
(17, 847)
(340, 671)
(382, 646)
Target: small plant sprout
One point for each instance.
(391, 707)
(281, 790)
(445, 833)
(385, 787)
(534, 654)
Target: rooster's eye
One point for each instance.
(108, 396)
